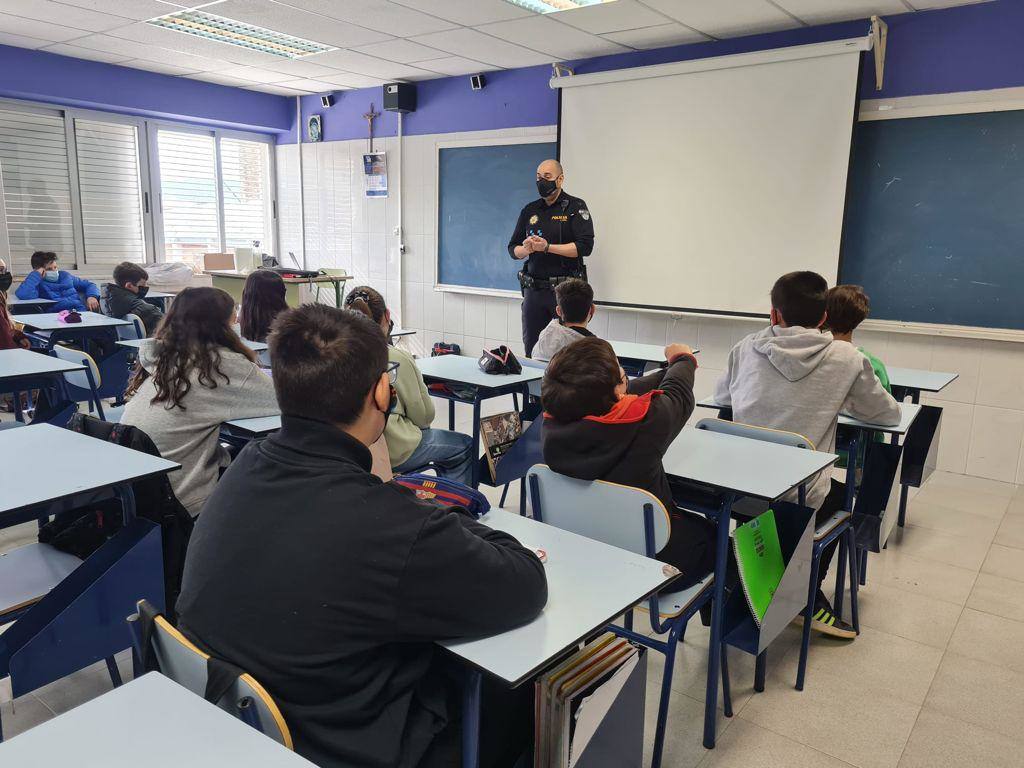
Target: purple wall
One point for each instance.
(47, 77)
(974, 47)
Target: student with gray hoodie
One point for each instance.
(792, 376)
(193, 376)
(575, 310)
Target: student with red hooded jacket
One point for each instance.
(601, 426)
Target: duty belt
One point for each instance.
(529, 282)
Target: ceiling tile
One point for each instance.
(456, 65)
(159, 66)
(197, 46)
(543, 33)
(825, 11)
(469, 13)
(353, 80)
(254, 74)
(300, 68)
(42, 30)
(131, 9)
(310, 86)
(290, 21)
(79, 52)
(378, 15)
(56, 13)
(657, 37)
(219, 79)
(726, 18)
(115, 45)
(475, 45)
(278, 90)
(360, 63)
(403, 51)
(21, 41)
(610, 17)
(923, 5)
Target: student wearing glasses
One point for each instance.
(412, 442)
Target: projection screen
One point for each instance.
(708, 179)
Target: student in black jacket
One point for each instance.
(329, 586)
(599, 425)
(127, 296)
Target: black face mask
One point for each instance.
(142, 291)
(5, 281)
(546, 187)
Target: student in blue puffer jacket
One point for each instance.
(45, 281)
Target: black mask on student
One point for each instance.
(546, 187)
(392, 402)
(142, 291)
(5, 281)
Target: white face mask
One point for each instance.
(51, 275)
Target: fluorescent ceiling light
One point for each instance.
(224, 30)
(551, 6)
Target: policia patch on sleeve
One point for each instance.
(584, 214)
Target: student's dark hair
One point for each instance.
(575, 297)
(580, 380)
(800, 298)
(190, 340)
(126, 272)
(263, 299)
(325, 361)
(42, 258)
(847, 306)
(368, 301)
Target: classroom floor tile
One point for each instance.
(981, 501)
(938, 740)
(998, 596)
(744, 745)
(24, 713)
(900, 570)
(1011, 532)
(923, 513)
(915, 617)
(929, 544)
(1007, 562)
(989, 638)
(983, 694)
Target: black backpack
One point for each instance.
(82, 531)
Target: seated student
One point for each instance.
(601, 426)
(194, 375)
(263, 297)
(46, 281)
(575, 310)
(10, 336)
(331, 587)
(412, 442)
(846, 307)
(791, 376)
(126, 296)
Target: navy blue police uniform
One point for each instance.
(567, 220)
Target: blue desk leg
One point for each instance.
(451, 415)
(717, 611)
(471, 719)
(476, 441)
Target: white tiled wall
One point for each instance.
(983, 421)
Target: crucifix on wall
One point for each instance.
(369, 117)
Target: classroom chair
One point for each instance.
(838, 527)
(637, 521)
(136, 330)
(81, 385)
(516, 463)
(160, 647)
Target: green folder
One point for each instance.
(759, 558)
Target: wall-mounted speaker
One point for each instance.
(327, 100)
(477, 82)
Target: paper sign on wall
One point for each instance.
(375, 172)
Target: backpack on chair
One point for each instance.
(82, 531)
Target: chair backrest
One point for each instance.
(184, 663)
(779, 436)
(599, 510)
(77, 379)
(131, 332)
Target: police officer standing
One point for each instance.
(553, 235)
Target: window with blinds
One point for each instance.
(111, 192)
(188, 195)
(245, 182)
(37, 187)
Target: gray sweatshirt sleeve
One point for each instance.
(868, 400)
(723, 387)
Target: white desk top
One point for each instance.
(49, 321)
(257, 426)
(141, 712)
(925, 381)
(255, 346)
(242, 274)
(79, 464)
(747, 467)
(13, 301)
(22, 362)
(589, 584)
(159, 295)
(396, 332)
(909, 413)
(651, 353)
(464, 370)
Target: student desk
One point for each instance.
(150, 721)
(251, 429)
(159, 298)
(733, 467)
(397, 333)
(47, 328)
(589, 584)
(232, 281)
(635, 357)
(22, 370)
(255, 346)
(27, 306)
(455, 369)
(910, 381)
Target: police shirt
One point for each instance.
(567, 220)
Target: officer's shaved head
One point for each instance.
(549, 169)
